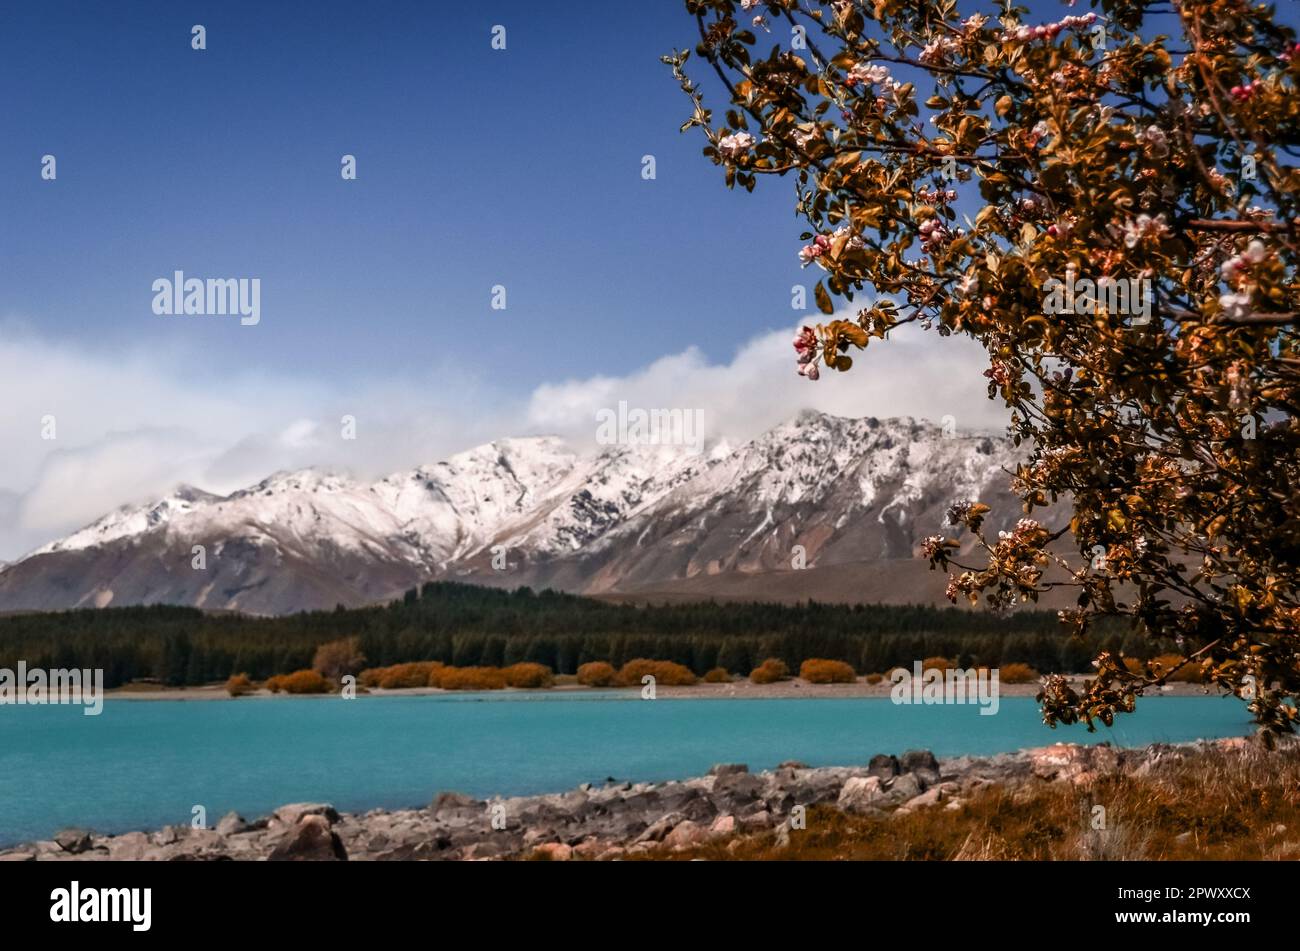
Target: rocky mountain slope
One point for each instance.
(819, 502)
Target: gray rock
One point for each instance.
(728, 769)
(905, 787)
(657, 830)
(861, 794)
(232, 823)
(129, 847)
(74, 841)
(311, 840)
(293, 813)
(883, 765)
(913, 760)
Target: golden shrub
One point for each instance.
(398, 676)
(238, 685)
(528, 675)
(1191, 674)
(936, 663)
(769, 672)
(665, 672)
(718, 675)
(597, 674)
(815, 670)
(875, 678)
(1017, 674)
(471, 678)
(301, 681)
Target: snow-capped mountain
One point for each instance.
(802, 503)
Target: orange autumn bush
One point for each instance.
(471, 678)
(1017, 674)
(665, 672)
(299, 682)
(529, 676)
(718, 675)
(238, 685)
(769, 672)
(597, 674)
(398, 676)
(1190, 674)
(818, 671)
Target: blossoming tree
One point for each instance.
(1140, 146)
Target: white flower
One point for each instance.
(868, 74)
(1255, 251)
(735, 145)
(1235, 306)
(1144, 227)
(1156, 142)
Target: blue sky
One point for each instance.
(476, 167)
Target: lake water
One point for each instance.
(143, 764)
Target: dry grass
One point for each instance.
(1214, 805)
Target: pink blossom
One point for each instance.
(735, 145)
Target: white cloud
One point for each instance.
(131, 426)
(914, 373)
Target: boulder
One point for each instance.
(232, 823)
(310, 840)
(883, 765)
(657, 830)
(931, 797)
(905, 787)
(293, 813)
(74, 841)
(723, 825)
(1071, 763)
(685, 834)
(792, 764)
(728, 769)
(129, 847)
(454, 802)
(861, 794)
(738, 787)
(914, 760)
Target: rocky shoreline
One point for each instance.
(615, 820)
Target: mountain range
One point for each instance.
(819, 506)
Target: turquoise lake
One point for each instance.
(142, 764)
